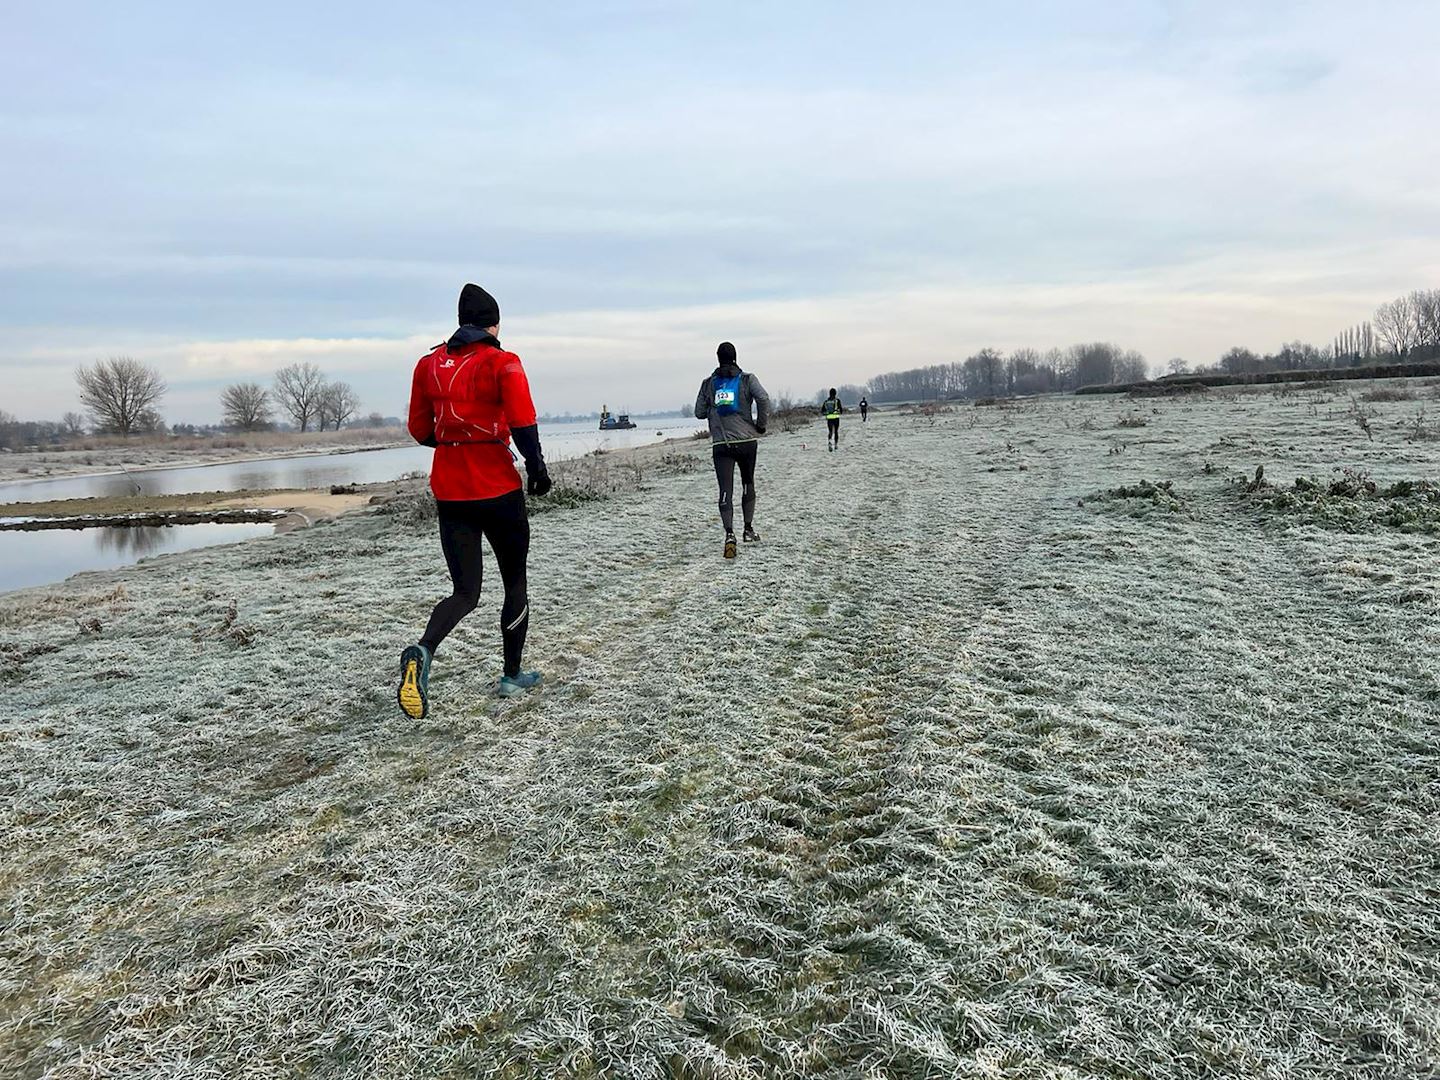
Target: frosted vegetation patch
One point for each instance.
(962, 772)
(1143, 497)
(1354, 502)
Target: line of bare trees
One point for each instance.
(991, 373)
(122, 397)
(1407, 328)
(300, 391)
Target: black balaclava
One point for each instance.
(478, 307)
(726, 355)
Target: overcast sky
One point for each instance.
(839, 188)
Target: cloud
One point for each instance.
(633, 182)
(654, 357)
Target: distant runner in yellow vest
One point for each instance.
(832, 410)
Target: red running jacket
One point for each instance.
(467, 401)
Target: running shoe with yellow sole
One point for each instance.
(730, 545)
(413, 695)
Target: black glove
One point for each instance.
(527, 441)
(430, 442)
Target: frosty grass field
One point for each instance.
(969, 770)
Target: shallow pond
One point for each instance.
(37, 558)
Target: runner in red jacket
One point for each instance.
(468, 399)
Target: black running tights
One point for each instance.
(503, 522)
(834, 429)
(727, 456)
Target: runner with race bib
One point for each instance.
(738, 409)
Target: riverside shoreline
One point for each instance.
(24, 467)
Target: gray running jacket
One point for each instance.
(738, 427)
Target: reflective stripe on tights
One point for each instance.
(504, 523)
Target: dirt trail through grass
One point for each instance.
(950, 776)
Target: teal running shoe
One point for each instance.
(414, 692)
(510, 685)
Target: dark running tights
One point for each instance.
(503, 522)
(727, 456)
(834, 430)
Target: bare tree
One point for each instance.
(985, 369)
(1397, 325)
(73, 424)
(119, 392)
(1132, 367)
(338, 402)
(298, 389)
(11, 435)
(1096, 363)
(1425, 308)
(1240, 361)
(1027, 373)
(246, 406)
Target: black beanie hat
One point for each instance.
(726, 354)
(478, 307)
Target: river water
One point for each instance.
(37, 558)
(559, 441)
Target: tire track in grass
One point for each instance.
(831, 967)
(619, 732)
(717, 720)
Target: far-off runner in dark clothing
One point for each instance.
(463, 525)
(734, 429)
(864, 410)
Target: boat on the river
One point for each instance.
(614, 423)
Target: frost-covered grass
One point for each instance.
(963, 771)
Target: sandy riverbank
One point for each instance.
(111, 506)
(987, 761)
